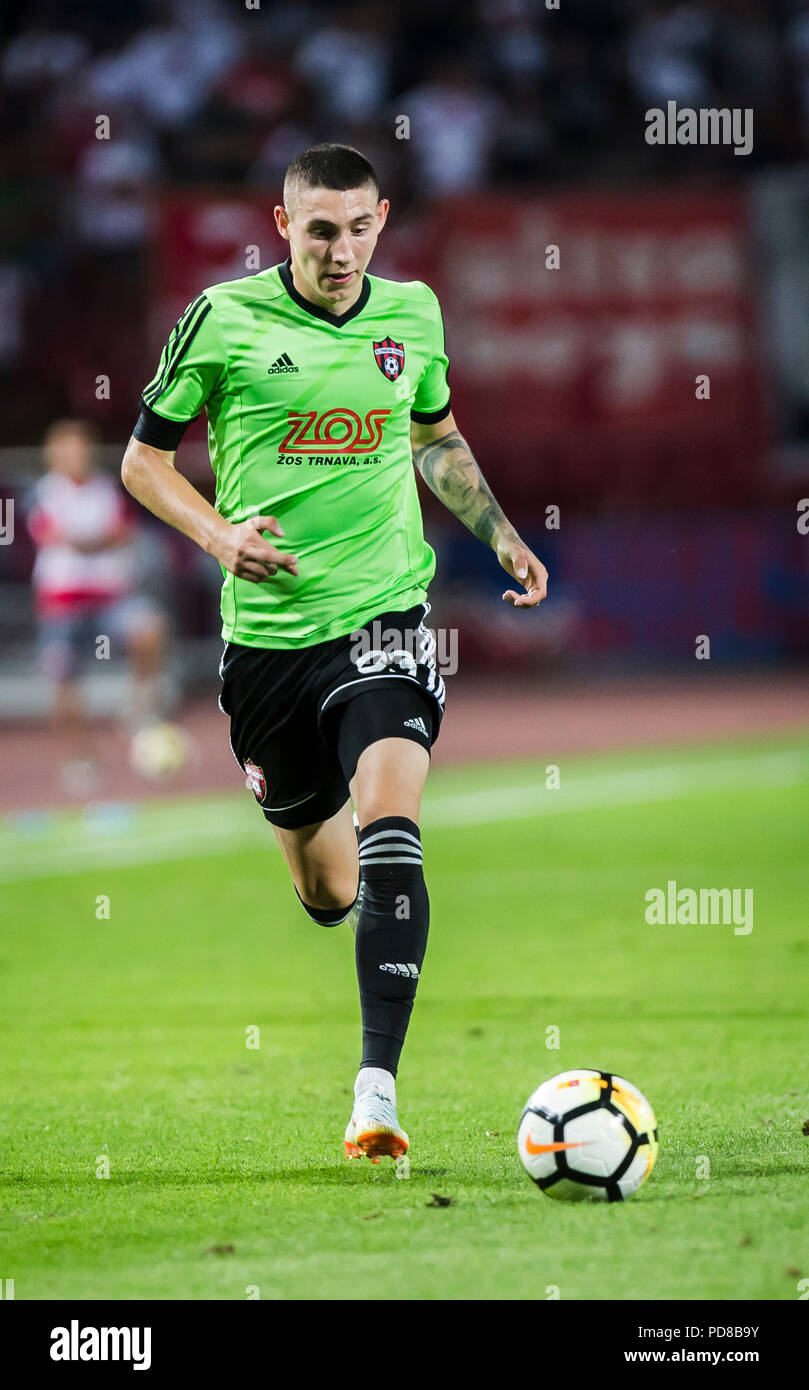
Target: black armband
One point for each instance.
(431, 417)
(157, 430)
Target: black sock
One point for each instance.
(391, 940)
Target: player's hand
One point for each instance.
(244, 551)
(518, 561)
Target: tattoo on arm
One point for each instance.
(450, 471)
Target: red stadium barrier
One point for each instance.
(581, 381)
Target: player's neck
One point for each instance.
(320, 301)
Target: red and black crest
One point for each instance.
(389, 358)
(255, 780)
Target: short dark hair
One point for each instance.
(330, 166)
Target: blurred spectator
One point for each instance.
(167, 70)
(347, 63)
(40, 55)
(111, 196)
(511, 35)
(84, 585)
(668, 54)
(454, 122)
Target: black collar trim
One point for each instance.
(336, 320)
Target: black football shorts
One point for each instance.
(299, 719)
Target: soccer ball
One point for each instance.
(159, 751)
(588, 1134)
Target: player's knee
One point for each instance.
(383, 804)
(390, 780)
(329, 894)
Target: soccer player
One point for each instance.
(322, 385)
(84, 587)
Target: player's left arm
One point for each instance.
(447, 465)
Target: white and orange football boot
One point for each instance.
(374, 1131)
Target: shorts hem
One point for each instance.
(312, 811)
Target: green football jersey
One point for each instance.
(309, 421)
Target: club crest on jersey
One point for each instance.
(389, 358)
(255, 780)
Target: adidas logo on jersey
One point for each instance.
(417, 723)
(410, 972)
(283, 363)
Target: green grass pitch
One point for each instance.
(125, 1040)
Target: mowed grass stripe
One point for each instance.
(37, 846)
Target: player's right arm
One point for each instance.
(149, 475)
(192, 370)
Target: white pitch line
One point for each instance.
(207, 830)
(150, 847)
(605, 789)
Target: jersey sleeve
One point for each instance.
(191, 368)
(432, 399)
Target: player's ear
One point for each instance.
(281, 220)
(382, 208)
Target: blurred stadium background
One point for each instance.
(677, 517)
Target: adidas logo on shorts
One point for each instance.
(410, 972)
(283, 363)
(419, 724)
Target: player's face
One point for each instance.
(332, 234)
(68, 452)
